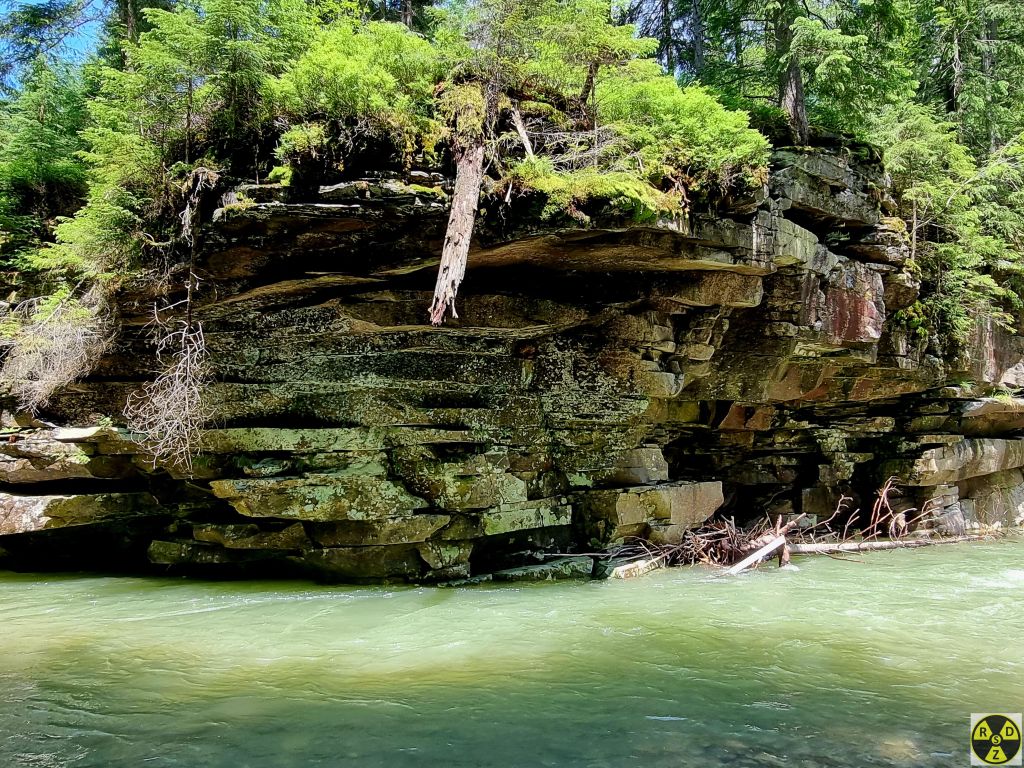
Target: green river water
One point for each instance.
(878, 663)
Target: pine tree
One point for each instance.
(820, 61)
(971, 61)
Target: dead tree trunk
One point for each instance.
(589, 83)
(989, 34)
(520, 125)
(758, 555)
(469, 176)
(956, 68)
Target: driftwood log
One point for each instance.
(768, 542)
(758, 555)
(869, 546)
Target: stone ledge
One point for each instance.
(965, 459)
(24, 514)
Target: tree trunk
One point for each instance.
(524, 136)
(407, 13)
(697, 26)
(913, 231)
(872, 546)
(760, 554)
(588, 83)
(791, 79)
(956, 77)
(990, 31)
(189, 104)
(737, 52)
(469, 176)
(667, 45)
(128, 13)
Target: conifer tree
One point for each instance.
(41, 175)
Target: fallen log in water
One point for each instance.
(869, 546)
(638, 568)
(757, 556)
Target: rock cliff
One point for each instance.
(601, 382)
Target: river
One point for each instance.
(872, 663)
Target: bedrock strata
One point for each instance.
(604, 382)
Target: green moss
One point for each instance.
(280, 174)
(463, 108)
(302, 141)
(437, 192)
(242, 203)
(570, 193)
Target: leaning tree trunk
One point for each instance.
(791, 78)
(469, 176)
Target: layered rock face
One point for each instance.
(620, 380)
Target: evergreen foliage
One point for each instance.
(356, 82)
(41, 175)
(965, 218)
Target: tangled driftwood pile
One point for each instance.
(722, 543)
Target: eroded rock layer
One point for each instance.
(620, 380)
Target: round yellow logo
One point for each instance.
(995, 740)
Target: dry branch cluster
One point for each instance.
(720, 542)
(54, 347)
(169, 412)
(883, 520)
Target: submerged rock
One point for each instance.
(559, 568)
